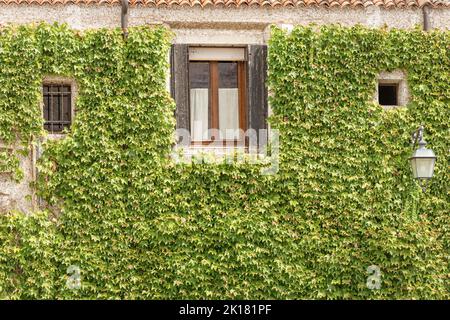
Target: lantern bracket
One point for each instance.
(417, 138)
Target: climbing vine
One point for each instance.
(342, 218)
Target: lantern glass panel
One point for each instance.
(423, 168)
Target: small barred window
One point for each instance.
(57, 107)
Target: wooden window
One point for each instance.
(205, 84)
(217, 101)
(57, 107)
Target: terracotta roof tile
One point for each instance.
(260, 3)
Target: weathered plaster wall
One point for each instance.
(219, 25)
(96, 16)
(17, 196)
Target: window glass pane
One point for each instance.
(199, 82)
(228, 101)
(228, 75)
(198, 75)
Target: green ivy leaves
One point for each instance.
(139, 226)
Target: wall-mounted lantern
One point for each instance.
(422, 160)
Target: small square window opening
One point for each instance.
(388, 94)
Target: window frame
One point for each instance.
(398, 78)
(213, 106)
(60, 81)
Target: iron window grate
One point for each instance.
(57, 107)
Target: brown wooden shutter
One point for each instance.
(257, 90)
(179, 83)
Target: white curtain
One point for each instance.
(199, 114)
(229, 113)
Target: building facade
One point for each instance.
(218, 58)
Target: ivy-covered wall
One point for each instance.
(137, 225)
